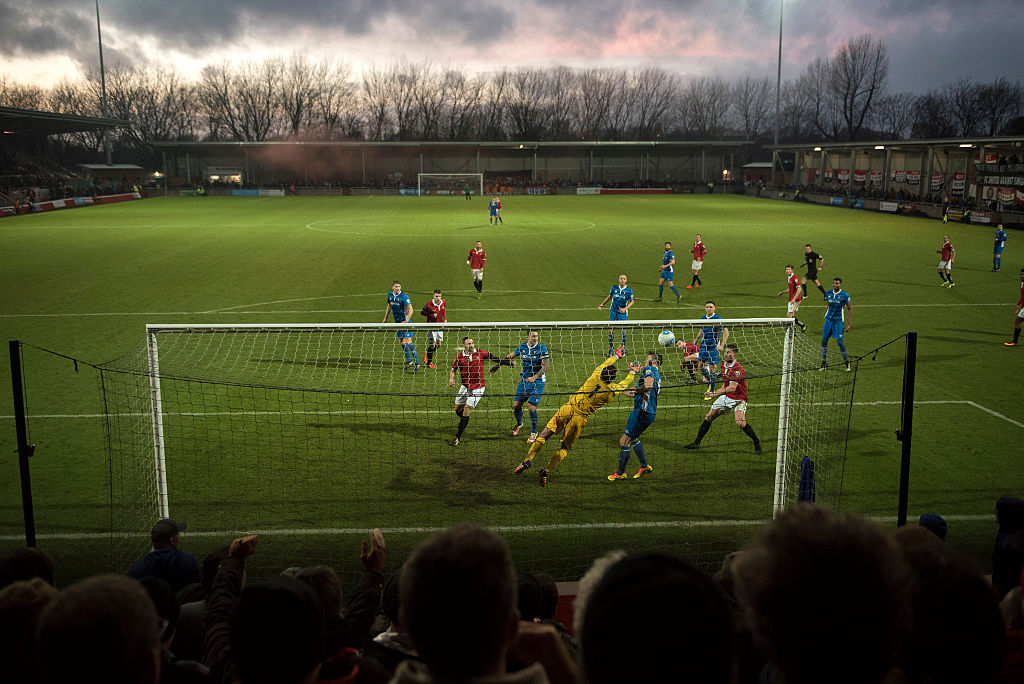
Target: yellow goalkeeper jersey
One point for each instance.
(594, 394)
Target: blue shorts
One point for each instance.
(832, 329)
(529, 391)
(998, 249)
(666, 274)
(709, 355)
(616, 316)
(637, 423)
(403, 333)
(494, 212)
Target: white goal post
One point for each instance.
(456, 181)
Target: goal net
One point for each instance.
(450, 183)
(312, 435)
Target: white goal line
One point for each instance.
(200, 414)
(344, 531)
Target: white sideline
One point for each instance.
(140, 414)
(337, 531)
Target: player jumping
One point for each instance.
(731, 397)
(691, 359)
(645, 406)
(436, 312)
(470, 364)
(400, 307)
(598, 390)
(836, 323)
(710, 341)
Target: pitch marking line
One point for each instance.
(204, 414)
(339, 531)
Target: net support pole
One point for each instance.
(156, 408)
(25, 450)
(785, 390)
(906, 427)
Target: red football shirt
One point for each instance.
(435, 313)
(477, 258)
(735, 373)
(947, 250)
(1020, 302)
(690, 348)
(699, 250)
(471, 368)
(794, 288)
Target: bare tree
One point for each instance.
(846, 86)
(931, 116)
(704, 107)
(298, 88)
(244, 100)
(797, 103)
(999, 103)
(528, 110)
(495, 106)
(597, 89)
(402, 84)
(75, 97)
(21, 96)
(563, 100)
(653, 93)
(376, 101)
(465, 102)
(430, 94)
(894, 115)
(335, 103)
(964, 97)
(752, 103)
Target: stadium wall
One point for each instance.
(69, 203)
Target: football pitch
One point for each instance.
(86, 282)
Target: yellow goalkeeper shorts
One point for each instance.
(569, 421)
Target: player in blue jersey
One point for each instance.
(400, 306)
(494, 211)
(710, 341)
(997, 250)
(622, 298)
(536, 363)
(645, 407)
(837, 321)
(668, 261)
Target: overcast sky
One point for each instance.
(930, 42)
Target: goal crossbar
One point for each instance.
(478, 179)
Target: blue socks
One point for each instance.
(623, 459)
(661, 290)
(410, 352)
(518, 413)
(533, 421)
(673, 288)
(405, 348)
(709, 376)
(639, 449)
(611, 344)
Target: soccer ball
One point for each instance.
(666, 338)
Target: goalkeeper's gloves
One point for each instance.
(635, 367)
(620, 352)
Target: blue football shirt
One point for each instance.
(398, 304)
(532, 357)
(648, 402)
(620, 297)
(710, 334)
(836, 303)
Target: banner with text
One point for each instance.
(913, 177)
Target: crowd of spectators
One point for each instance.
(815, 596)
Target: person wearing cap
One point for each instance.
(166, 561)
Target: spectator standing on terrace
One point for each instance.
(1008, 554)
(166, 561)
(458, 600)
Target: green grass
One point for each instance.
(85, 282)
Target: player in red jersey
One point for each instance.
(691, 359)
(470, 364)
(698, 250)
(476, 261)
(795, 296)
(946, 262)
(731, 396)
(1020, 314)
(436, 312)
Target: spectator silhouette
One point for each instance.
(26, 563)
(188, 639)
(825, 596)
(1008, 555)
(173, 670)
(957, 632)
(458, 601)
(103, 628)
(393, 645)
(684, 618)
(177, 568)
(935, 524)
(21, 603)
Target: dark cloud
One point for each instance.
(34, 32)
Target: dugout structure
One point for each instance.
(311, 435)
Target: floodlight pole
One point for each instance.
(25, 450)
(778, 87)
(103, 85)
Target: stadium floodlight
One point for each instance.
(879, 147)
(965, 145)
(320, 430)
(817, 149)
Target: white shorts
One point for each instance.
(695, 266)
(435, 336)
(945, 265)
(793, 307)
(1020, 314)
(478, 274)
(724, 403)
(469, 397)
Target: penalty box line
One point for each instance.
(505, 529)
(202, 414)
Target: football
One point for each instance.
(666, 338)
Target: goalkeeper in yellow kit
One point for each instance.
(598, 390)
